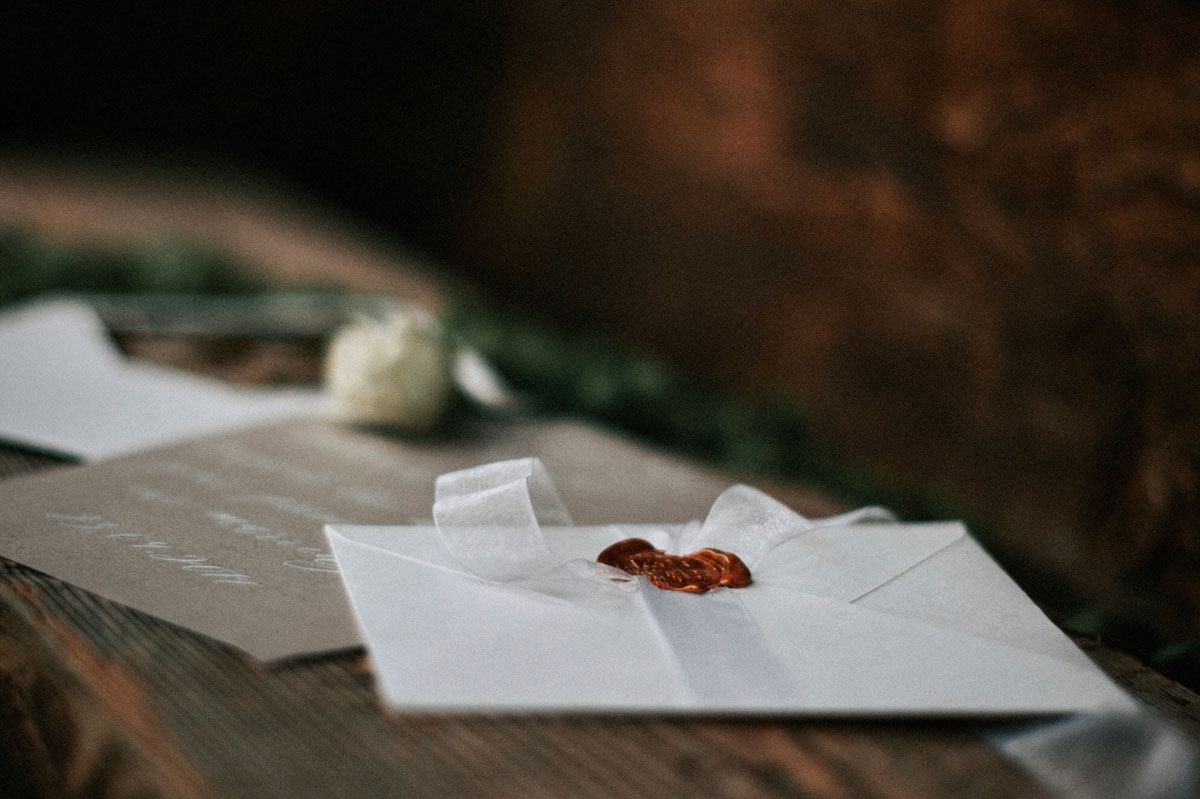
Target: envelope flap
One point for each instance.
(854, 658)
(850, 561)
(961, 588)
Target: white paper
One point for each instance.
(1105, 756)
(65, 388)
(840, 619)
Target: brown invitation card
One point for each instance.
(225, 535)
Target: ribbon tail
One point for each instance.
(490, 517)
(721, 652)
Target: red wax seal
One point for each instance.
(695, 573)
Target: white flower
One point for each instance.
(395, 372)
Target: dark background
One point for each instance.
(376, 106)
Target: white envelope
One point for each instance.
(844, 619)
(68, 389)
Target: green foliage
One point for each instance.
(581, 375)
(592, 377)
(32, 265)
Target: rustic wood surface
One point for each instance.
(99, 700)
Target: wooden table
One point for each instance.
(99, 700)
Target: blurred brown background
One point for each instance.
(965, 236)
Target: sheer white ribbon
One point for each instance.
(490, 519)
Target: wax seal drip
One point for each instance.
(696, 573)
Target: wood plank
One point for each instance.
(78, 724)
